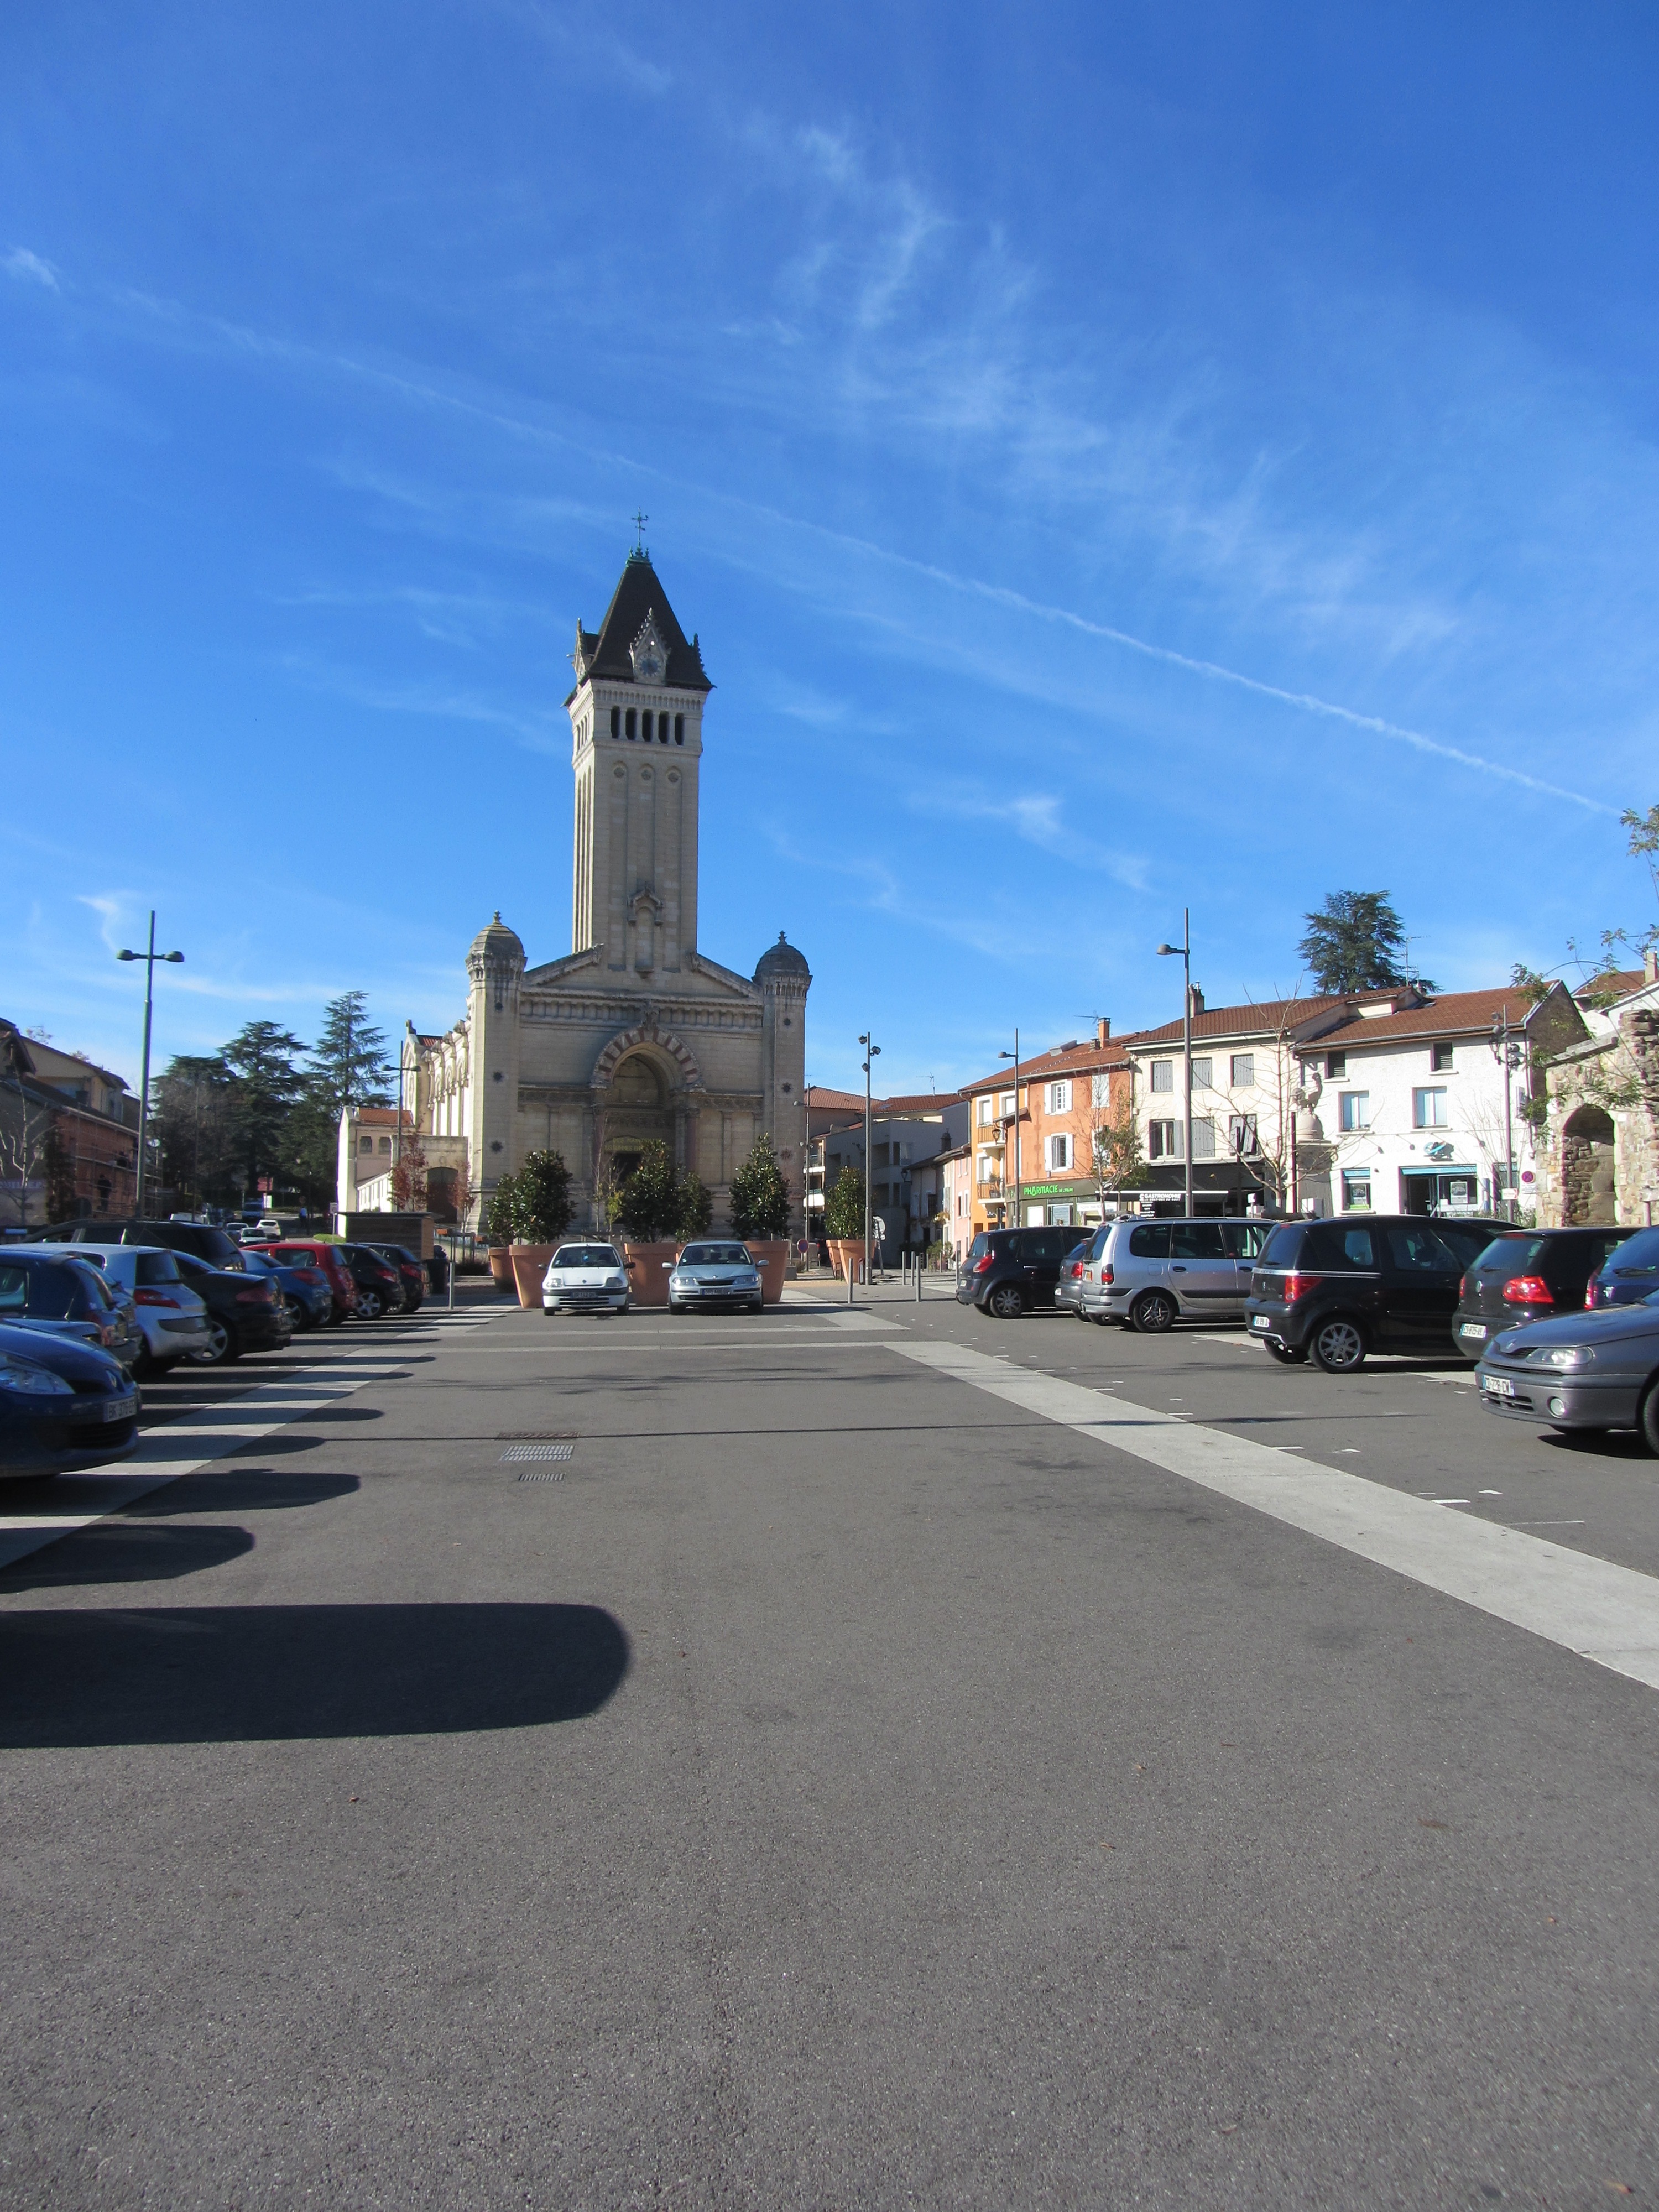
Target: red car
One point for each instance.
(296, 1253)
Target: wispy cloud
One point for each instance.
(1043, 818)
(20, 262)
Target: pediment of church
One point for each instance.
(697, 977)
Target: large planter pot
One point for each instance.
(848, 1253)
(648, 1268)
(771, 1255)
(501, 1266)
(529, 1266)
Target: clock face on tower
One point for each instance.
(649, 654)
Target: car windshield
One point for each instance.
(1639, 1257)
(586, 1255)
(713, 1255)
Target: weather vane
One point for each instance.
(640, 521)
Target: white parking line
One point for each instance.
(1601, 1612)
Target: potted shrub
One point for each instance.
(760, 1215)
(498, 1233)
(694, 1210)
(650, 1206)
(843, 1220)
(541, 1214)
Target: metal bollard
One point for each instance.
(850, 1282)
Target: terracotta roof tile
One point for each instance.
(1455, 1012)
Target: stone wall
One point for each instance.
(1598, 1155)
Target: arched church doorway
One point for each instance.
(1588, 1197)
(639, 1107)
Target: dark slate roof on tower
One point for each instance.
(782, 958)
(638, 598)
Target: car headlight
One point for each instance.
(746, 1282)
(40, 1382)
(1573, 1356)
(617, 1283)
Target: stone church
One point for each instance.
(635, 1033)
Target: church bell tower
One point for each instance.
(636, 727)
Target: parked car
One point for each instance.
(171, 1319)
(1010, 1271)
(411, 1271)
(1150, 1273)
(715, 1274)
(1069, 1292)
(1333, 1291)
(303, 1290)
(197, 1236)
(1628, 1275)
(380, 1286)
(586, 1278)
(246, 1312)
(65, 1294)
(306, 1252)
(1592, 1369)
(63, 1405)
(1527, 1274)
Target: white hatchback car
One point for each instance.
(173, 1319)
(585, 1278)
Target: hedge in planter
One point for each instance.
(650, 1203)
(843, 1215)
(694, 1211)
(760, 1197)
(498, 1215)
(541, 1200)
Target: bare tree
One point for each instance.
(28, 1129)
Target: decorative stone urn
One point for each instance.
(770, 1255)
(648, 1268)
(501, 1266)
(529, 1266)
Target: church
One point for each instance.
(635, 1033)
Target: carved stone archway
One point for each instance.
(647, 1037)
(1587, 1191)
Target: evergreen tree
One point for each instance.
(349, 1063)
(650, 1197)
(1356, 941)
(760, 1196)
(262, 1057)
(191, 1108)
(695, 1209)
(843, 1213)
(499, 1214)
(541, 1200)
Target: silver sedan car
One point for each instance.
(1589, 1370)
(715, 1274)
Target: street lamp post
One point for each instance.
(1510, 1056)
(1185, 949)
(870, 1051)
(1014, 1056)
(149, 959)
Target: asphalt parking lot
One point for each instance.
(774, 1761)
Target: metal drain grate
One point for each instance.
(535, 1436)
(516, 1454)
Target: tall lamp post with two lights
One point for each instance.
(1012, 1221)
(871, 1052)
(149, 960)
(1185, 951)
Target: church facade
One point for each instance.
(635, 1034)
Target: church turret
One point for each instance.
(637, 725)
(785, 979)
(495, 967)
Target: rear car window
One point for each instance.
(1150, 1241)
(1101, 1239)
(1639, 1256)
(1335, 1247)
(979, 1247)
(1284, 1245)
(1243, 1239)
(1509, 1256)
(1465, 1245)
(155, 1268)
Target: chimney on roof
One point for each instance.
(1197, 998)
(1650, 964)
(1103, 1029)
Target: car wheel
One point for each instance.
(1649, 1418)
(1287, 1355)
(369, 1305)
(1338, 1346)
(674, 1306)
(219, 1350)
(1153, 1313)
(1005, 1301)
(759, 1306)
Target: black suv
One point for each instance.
(198, 1237)
(1528, 1274)
(1009, 1271)
(1333, 1291)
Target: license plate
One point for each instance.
(120, 1409)
(1259, 1320)
(1500, 1385)
(1477, 1328)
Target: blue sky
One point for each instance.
(1115, 457)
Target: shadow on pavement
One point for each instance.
(225, 1488)
(120, 1551)
(234, 1673)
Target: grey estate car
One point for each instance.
(1589, 1370)
(1151, 1273)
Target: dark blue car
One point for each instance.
(1630, 1274)
(303, 1290)
(63, 1405)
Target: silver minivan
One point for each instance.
(1149, 1272)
